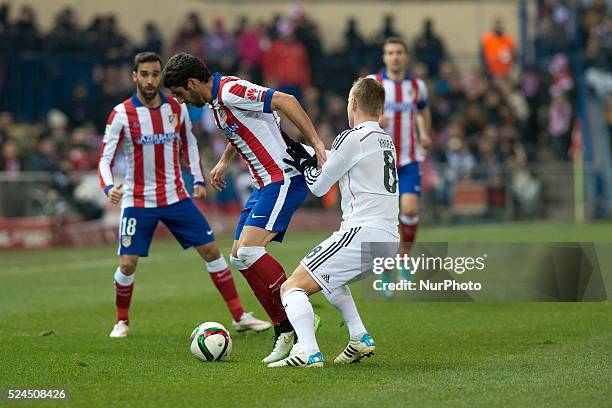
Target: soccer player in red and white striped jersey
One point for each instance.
(408, 120)
(153, 131)
(245, 112)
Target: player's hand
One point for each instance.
(199, 192)
(300, 158)
(216, 176)
(321, 155)
(115, 194)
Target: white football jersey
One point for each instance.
(363, 160)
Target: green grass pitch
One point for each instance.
(428, 354)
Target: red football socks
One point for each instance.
(123, 296)
(409, 232)
(265, 276)
(224, 282)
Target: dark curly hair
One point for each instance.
(181, 67)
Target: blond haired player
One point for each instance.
(363, 160)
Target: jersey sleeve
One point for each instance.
(189, 147)
(113, 136)
(422, 100)
(248, 96)
(340, 159)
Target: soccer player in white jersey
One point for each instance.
(245, 112)
(362, 159)
(407, 119)
(152, 130)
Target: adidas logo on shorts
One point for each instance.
(325, 278)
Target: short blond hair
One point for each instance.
(369, 95)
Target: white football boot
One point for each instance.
(283, 343)
(120, 329)
(356, 350)
(249, 322)
(300, 359)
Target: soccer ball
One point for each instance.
(210, 341)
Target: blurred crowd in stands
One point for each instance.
(489, 122)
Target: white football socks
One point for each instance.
(300, 314)
(218, 265)
(123, 280)
(343, 300)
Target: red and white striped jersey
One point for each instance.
(242, 110)
(402, 100)
(150, 139)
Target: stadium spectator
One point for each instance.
(190, 37)
(5, 34)
(339, 71)
(293, 75)
(6, 125)
(306, 31)
(429, 48)
(153, 41)
(79, 109)
(46, 157)
(498, 50)
(81, 151)
(461, 161)
(250, 45)
(354, 43)
(57, 129)
(219, 47)
(241, 26)
(24, 34)
(10, 161)
(559, 124)
(388, 29)
(514, 99)
(66, 35)
(551, 38)
(4, 12)
(106, 38)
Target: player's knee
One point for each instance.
(249, 255)
(410, 211)
(338, 295)
(285, 286)
(209, 252)
(128, 266)
(288, 286)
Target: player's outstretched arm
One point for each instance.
(293, 111)
(217, 173)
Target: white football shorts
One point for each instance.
(347, 256)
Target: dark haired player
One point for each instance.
(152, 131)
(245, 112)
